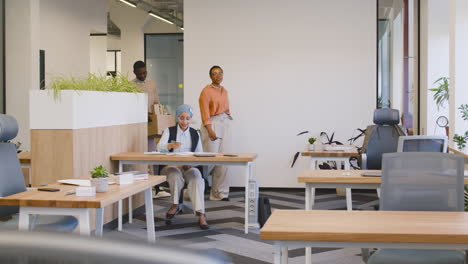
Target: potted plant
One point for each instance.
(312, 140)
(462, 139)
(100, 178)
(441, 95)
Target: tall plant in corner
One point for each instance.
(441, 95)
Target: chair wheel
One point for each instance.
(168, 222)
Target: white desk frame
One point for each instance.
(281, 247)
(83, 217)
(248, 175)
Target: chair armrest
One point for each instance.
(363, 161)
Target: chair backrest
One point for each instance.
(35, 247)
(11, 176)
(422, 144)
(422, 181)
(383, 137)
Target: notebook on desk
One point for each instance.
(372, 174)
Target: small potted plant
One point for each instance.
(311, 142)
(100, 178)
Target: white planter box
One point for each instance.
(86, 109)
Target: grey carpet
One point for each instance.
(226, 234)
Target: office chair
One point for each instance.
(381, 138)
(12, 182)
(48, 248)
(421, 182)
(422, 144)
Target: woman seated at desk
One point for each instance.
(183, 138)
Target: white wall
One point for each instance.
(21, 61)
(61, 28)
(65, 28)
(98, 54)
(304, 65)
(434, 60)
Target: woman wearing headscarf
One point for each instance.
(183, 138)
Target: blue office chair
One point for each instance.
(12, 182)
(421, 181)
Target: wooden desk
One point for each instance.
(365, 229)
(337, 156)
(331, 179)
(243, 159)
(459, 153)
(58, 203)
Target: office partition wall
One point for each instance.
(164, 56)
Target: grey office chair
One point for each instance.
(422, 144)
(421, 182)
(51, 248)
(381, 138)
(12, 182)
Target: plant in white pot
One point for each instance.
(312, 140)
(100, 178)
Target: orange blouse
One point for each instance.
(213, 101)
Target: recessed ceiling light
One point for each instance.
(128, 3)
(160, 18)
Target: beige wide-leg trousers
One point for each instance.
(177, 177)
(221, 126)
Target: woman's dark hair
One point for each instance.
(215, 67)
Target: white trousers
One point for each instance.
(221, 126)
(177, 177)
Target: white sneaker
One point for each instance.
(162, 194)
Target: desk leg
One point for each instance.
(99, 221)
(284, 255)
(84, 225)
(246, 206)
(349, 198)
(150, 215)
(313, 163)
(310, 197)
(119, 206)
(23, 224)
(130, 209)
(277, 255)
(119, 222)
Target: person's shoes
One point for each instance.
(225, 199)
(162, 194)
(204, 227)
(170, 216)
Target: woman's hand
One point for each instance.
(211, 133)
(174, 145)
(186, 167)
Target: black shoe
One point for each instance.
(225, 199)
(170, 216)
(204, 227)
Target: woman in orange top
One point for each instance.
(216, 118)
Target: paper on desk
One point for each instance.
(79, 182)
(154, 153)
(183, 153)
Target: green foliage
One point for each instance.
(99, 172)
(464, 111)
(441, 95)
(460, 140)
(312, 140)
(93, 82)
